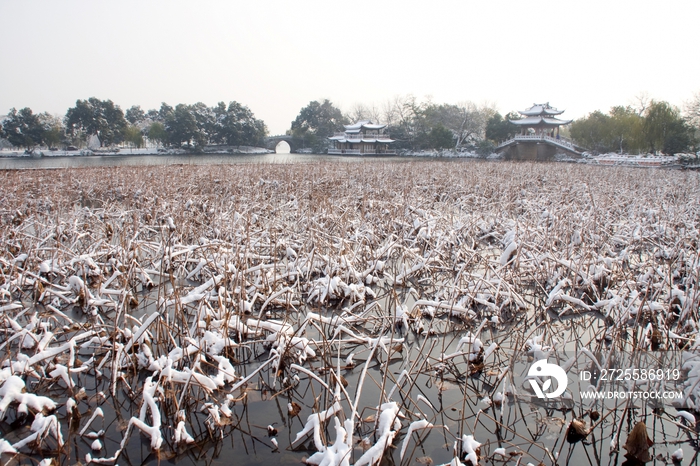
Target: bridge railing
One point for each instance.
(565, 143)
(505, 143)
(561, 141)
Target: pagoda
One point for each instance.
(539, 137)
(362, 138)
(540, 120)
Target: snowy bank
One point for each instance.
(135, 151)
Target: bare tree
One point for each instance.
(641, 102)
(399, 110)
(466, 120)
(389, 112)
(691, 109)
(374, 113)
(358, 112)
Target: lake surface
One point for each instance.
(22, 163)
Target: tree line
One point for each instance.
(192, 126)
(653, 126)
(414, 125)
(649, 127)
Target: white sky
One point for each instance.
(277, 56)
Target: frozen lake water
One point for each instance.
(207, 299)
(16, 163)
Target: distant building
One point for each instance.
(539, 137)
(361, 138)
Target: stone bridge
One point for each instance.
(537, 147)
(272, 141)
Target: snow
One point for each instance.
(469, 447)
(97, 413)
(313, 424)
(687, 416)
(420, 424)
(42, 426)
(239, 302)
(134, 151)
(677, 455)
(641, 160)
(5, 447)
(387, 428)
(508, 252)
(149, 404)
(181, 434)
(12, 392)
(338, 454)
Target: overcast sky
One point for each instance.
(277, 56)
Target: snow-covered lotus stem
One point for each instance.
(181, 434)
(149, 403)
(470, 448)
(12, 392)
(5, 447)
(313, 423)
(420, 424)
(511, 246)
(42, 426)
(387, 428)
(337, 454)
(98, 412)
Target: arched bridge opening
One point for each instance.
(275, 143)
(283, 147)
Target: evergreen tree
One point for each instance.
(96, 117)
(316, 123)
(23, 128)
(499, 129)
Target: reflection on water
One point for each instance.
(138, 160)
(283, 148)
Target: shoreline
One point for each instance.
(150, 157)
(46, 153)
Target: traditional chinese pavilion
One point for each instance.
(540, 120)
(539, 137)
(362, 138)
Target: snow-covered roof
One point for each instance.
(357, 140)
(357, 125)
(366, 124)
(345, 139)
(541, 109)
(377, 140)
(538, 120)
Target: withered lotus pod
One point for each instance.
(638, 443)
